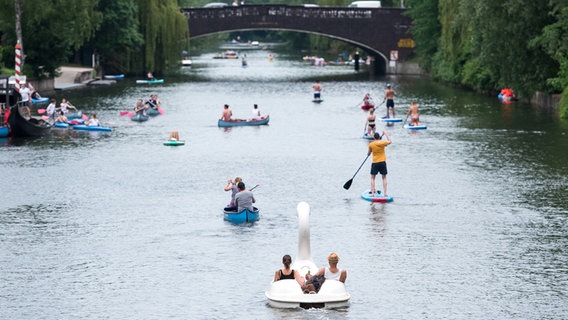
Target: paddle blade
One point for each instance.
(123, 113)
(41, 111)
(347, 184)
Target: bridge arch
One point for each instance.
(378, 31)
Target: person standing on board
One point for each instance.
(413, 112)
(389, 98)
(317, 90)
(227, 113)
(371, 122)
(377, 149)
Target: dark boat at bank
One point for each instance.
(22, 127)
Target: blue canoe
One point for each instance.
(40, 100)
(91, 128)
(244, 122)
(420, 127)
(139, 118)
(241, 217)
(391, 120)
(377, 197)
(150, 81)
(4, 131)
(61, 125)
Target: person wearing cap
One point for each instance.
(389, 98)
(333, 272)
(244, 199)
(379, 165)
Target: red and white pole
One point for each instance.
(18, 64)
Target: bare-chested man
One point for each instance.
(317, 90)
(227, 113)
(389, 97)
(413, 112)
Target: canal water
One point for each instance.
(118, 226)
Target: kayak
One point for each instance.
(114, 77)
(367, 106)
(40, 100)
(377, 197)
(91, 128)
(61, 125)
(420, 127)
(153, 112)
(150, 81)
(139, 118)
(244, 122)
(174, 143)
(391, 120)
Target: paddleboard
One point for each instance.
(40, 100)
(150, 81)
(174, 143)
(317, 100)
(377, 197)
(391, 120)
(368, 137)
(420, 127)
(91, 128)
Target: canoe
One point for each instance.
(367, 106)
(288, 294)
(420, 127)
(22, 127)
(150, 81)
(153, 112)
(4, 131)
(377, 197)
(241, 217)
(40, 100)
(114, 77)
(244, 122)
(174, 143)
(74, 115)
(61, 125)
(139, 118)
(91, 128)
(391, 120)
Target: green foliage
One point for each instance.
(564, 104)
(426, 30)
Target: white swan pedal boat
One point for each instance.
(288, 293)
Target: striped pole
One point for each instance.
(18, 63)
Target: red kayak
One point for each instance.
(367, 106)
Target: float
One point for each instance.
(377, 197)
(289, 294)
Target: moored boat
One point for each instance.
(22, 127)
(289, 294)
(231, 215)
(150, 81)
(244, 122)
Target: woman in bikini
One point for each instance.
(371, 122)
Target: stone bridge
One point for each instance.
(383, 33)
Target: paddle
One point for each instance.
(258, 185)
(347, 184)
(404, 122)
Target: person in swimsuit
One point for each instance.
(287, 272)
(371, 122)
(389, 98)
(227, 113)
(413, 112)
(317, 90)
(332, 272)
(61, 117)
